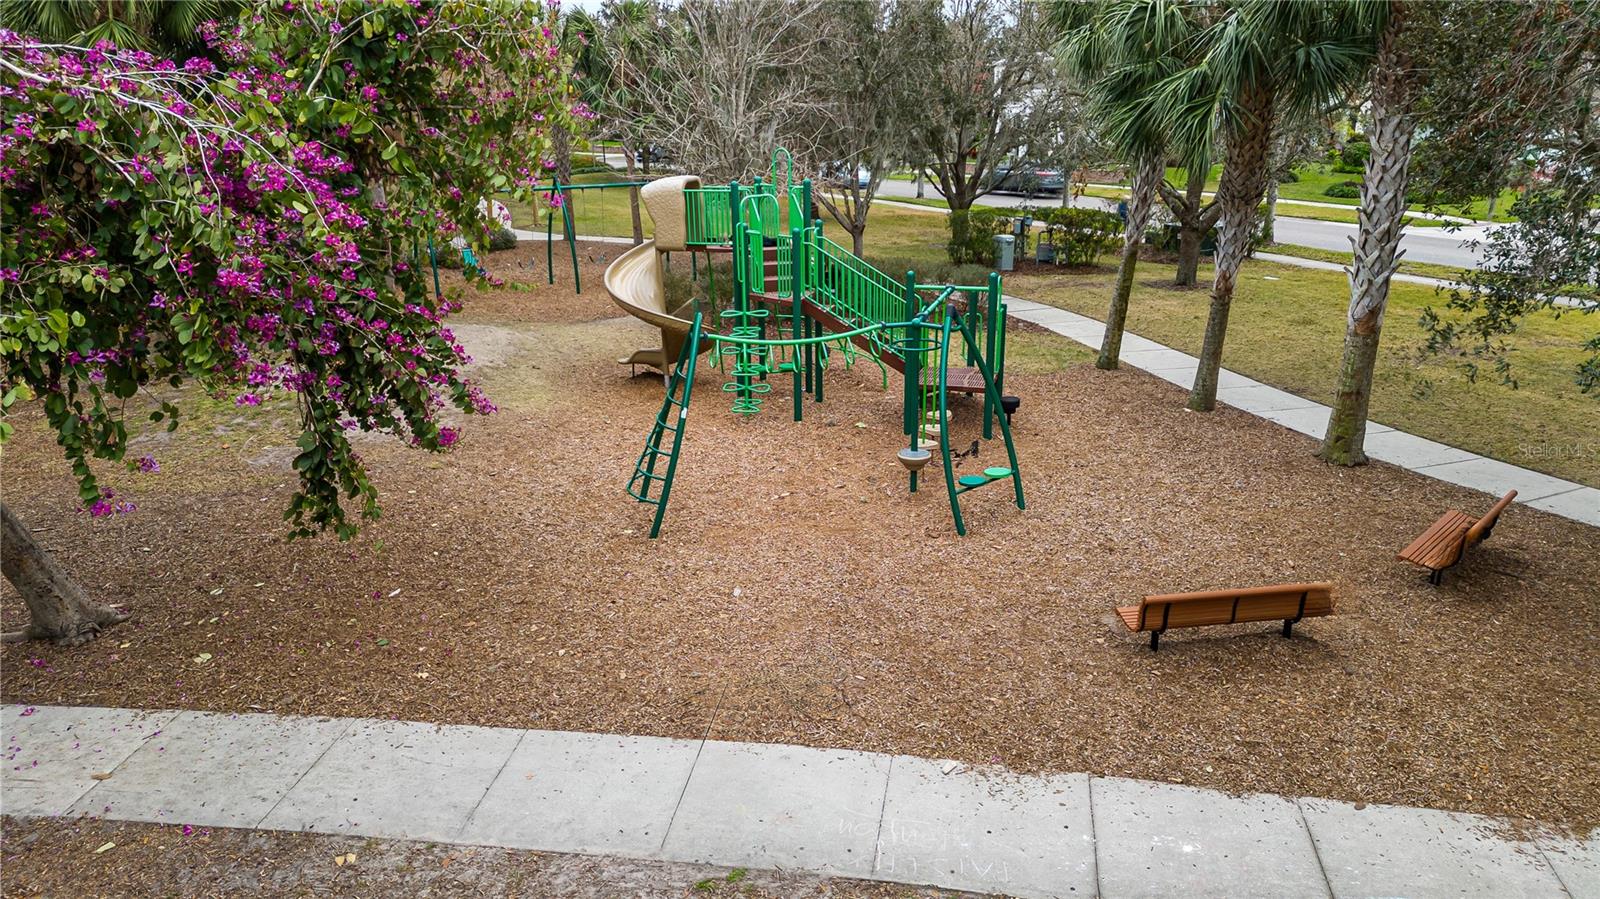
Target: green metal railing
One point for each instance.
(709, 216)
(856, 292)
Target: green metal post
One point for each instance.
(991, 352)
(818, 357)
(807, 199)
(972, 325)
(815, 265)
(797, 280)
(1000, 365)
(549, 243)
(951, 315)
(572, 243)
(911, 406)
(433, 261)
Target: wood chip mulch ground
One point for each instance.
(800, 594)
(86, 859)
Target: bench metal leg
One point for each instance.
(1155, 640)
(1437, 577)
(1288, 627)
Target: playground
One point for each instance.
(800, 593)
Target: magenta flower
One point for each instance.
(86, 126)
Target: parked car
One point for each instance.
(1027, 179)
(840, 171)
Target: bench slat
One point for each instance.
(1441, 543)
(1210, 607)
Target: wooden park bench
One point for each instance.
(1446, 542)
(1288, 602)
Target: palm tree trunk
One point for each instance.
(1238, 193)
(1268, 227)
(58, 608)
(1377, 246)
(1191, 231)
(1140, 199)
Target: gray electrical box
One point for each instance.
(1005, 249)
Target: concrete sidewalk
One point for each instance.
(837, 812)
(1436, 460)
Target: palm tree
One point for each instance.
(168, 25)
(1377, 245)
(1261, 59)
(1125, 48)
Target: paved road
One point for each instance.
(1421, 244)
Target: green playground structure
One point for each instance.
(800, 301)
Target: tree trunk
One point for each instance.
(59, 609)
(563, 174)
(1140, 198)
(633, 198)
(1268, 227)
(1238, 193)
(1191, 230)
(919, 184)
(1377, 245)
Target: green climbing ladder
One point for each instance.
(673, 418)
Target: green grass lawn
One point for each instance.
(600, 213)
(1314, 179)
(1288, 332)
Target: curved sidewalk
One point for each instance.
(836, 812)
(1408, 451)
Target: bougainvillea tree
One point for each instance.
(255, 222)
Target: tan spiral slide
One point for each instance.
(634, 279)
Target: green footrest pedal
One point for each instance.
(989, 474)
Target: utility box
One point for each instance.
(1005, 251)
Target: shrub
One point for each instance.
(1289, 176)
(931, 272)
(1081, 235)
(1345, 190)
(1353, 158)
(504, 239)
(972, 233)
